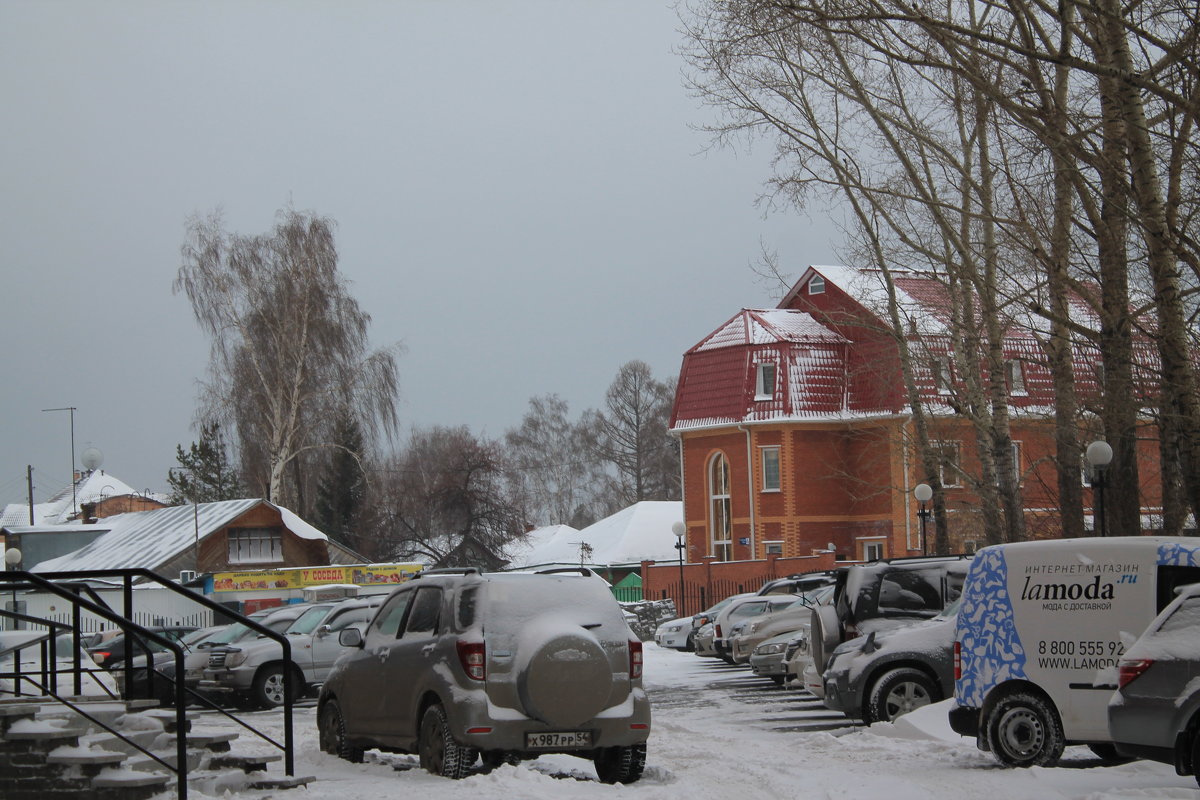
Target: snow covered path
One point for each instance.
(718, 733)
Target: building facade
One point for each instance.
(797, 437)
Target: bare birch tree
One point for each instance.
(289, 349)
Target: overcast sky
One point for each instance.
(520, 194)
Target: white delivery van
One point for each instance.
(1040, 629)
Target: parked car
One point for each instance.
(882, 595)
(163, 662)
(676, 634)
(510, 666)
(702, 641)
(1041, 629)
(749, 633)
(886, 674)
(251, 671)
(740, 608)
(27, 645)
(112, 654)
(769, 658)
(1155, 712)
(197, 656)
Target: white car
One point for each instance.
(676, 634)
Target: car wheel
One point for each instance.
(690, 645)
(1024, 731)
(332, 733)
(268, 690)
(439, 753)
(777, 679)
(620, 764)
(898, 692)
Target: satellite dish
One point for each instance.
(92, 458)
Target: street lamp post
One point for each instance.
(924, 494)
(680, 531)
(1099, 455)
(12, 560)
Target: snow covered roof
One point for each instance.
(150, 539)
(92, 487)
(767, 326)
(640, 532)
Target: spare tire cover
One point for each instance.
(565, 678)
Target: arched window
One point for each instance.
(719, 511)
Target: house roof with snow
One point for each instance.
(829, 352)
(92, 487)
(640, 532)
(150, 539)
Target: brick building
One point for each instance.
(796, 435)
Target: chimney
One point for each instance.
(87, 512)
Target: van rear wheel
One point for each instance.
(1024, 730)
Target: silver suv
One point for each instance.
(252, 671)
(459, 665)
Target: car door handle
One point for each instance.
(427, 650)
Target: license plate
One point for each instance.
(553, 741)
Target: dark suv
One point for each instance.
(508, 666)
(883, 595)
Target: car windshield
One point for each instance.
(309, 620)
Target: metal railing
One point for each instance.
(69, 586)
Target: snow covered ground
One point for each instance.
(719, 734)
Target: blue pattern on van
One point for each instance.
(991, 650)
(1179, 555)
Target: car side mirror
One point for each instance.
(324, 630)
(350, 637)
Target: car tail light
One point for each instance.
(473, 656)
(958, 661)
(1129, 669)
(717, 631)
(100, 657)
(635, 658)
(851, 632)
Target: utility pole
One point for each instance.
(29, 486)
(74, 499)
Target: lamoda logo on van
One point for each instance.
(1057, 594)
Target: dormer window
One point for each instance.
(764, 382)
(942, 375)
(816, 285)
(1016, 377)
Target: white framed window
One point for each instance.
(720, 509)
(816, 285)
(773, 548)
(948, 455)
(872, 551)
(1015, 375)
(764, 381)
(770, 468)
(255, 546)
